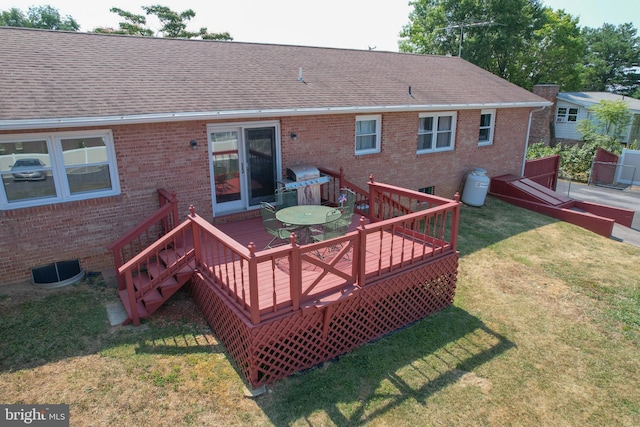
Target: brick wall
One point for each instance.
(328, 141)
(542, 122)
(149, 157)
(153, 156)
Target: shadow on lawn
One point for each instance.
(71, 322)
(408, 365)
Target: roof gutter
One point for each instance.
(67, 122)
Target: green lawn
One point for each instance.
(545, 330)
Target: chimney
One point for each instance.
(542, 122)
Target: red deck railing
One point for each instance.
(135, 273)
(146, 232)
(268, 283)
(332, 190)
(407, 229)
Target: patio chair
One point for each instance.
(286, 197)
(349, 203)
(332, 229)
(272, 225)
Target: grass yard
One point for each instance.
(545, 330)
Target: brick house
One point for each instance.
(111, 119)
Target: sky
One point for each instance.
(349, 24)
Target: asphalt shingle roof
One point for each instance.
(53, 75)
(587, 99)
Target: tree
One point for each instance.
(556, 52)
(13, 18)
(132, 25)
(611, 54)
(174, 24)
(496, 35)
(527, 44)
(46, 17)
(611, 119)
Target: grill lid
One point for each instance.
(302, 172)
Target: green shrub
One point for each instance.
(539, 149)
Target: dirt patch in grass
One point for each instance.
(17, 293)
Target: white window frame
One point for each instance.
(435, 132)
(378, 132)
(566, 115)
(58, 169)
(491, 127)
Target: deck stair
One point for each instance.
(156, 280)
(528, 194)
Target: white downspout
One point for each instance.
(526, 142)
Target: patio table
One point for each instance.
(307, 216)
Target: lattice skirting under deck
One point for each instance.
(282, 346)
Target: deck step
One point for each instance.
(155, 269)
(141, 281)
(169, 287)
(152, 300)
(171, 255)
(142, 311)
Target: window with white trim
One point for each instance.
(46, 168)
(368, 134)
(487, 119)
(566, 114)
(436, 132)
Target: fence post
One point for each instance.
(556, 169)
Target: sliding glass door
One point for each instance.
(244, 165)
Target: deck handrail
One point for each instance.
(147, 231)
(331, 190)
(387, 199)
(428, 226)
(135, 266)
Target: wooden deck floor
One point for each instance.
(321, 272)
(251, 230)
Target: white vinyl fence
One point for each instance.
(628, 170)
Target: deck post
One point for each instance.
(373, 214)
(295, 273)
(341, 179)
(453, 235)
(133, 304)
(176, 217)
(253, 285)
(359, 261)
(195, 230)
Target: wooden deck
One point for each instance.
(281, 310)
(328, 268)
